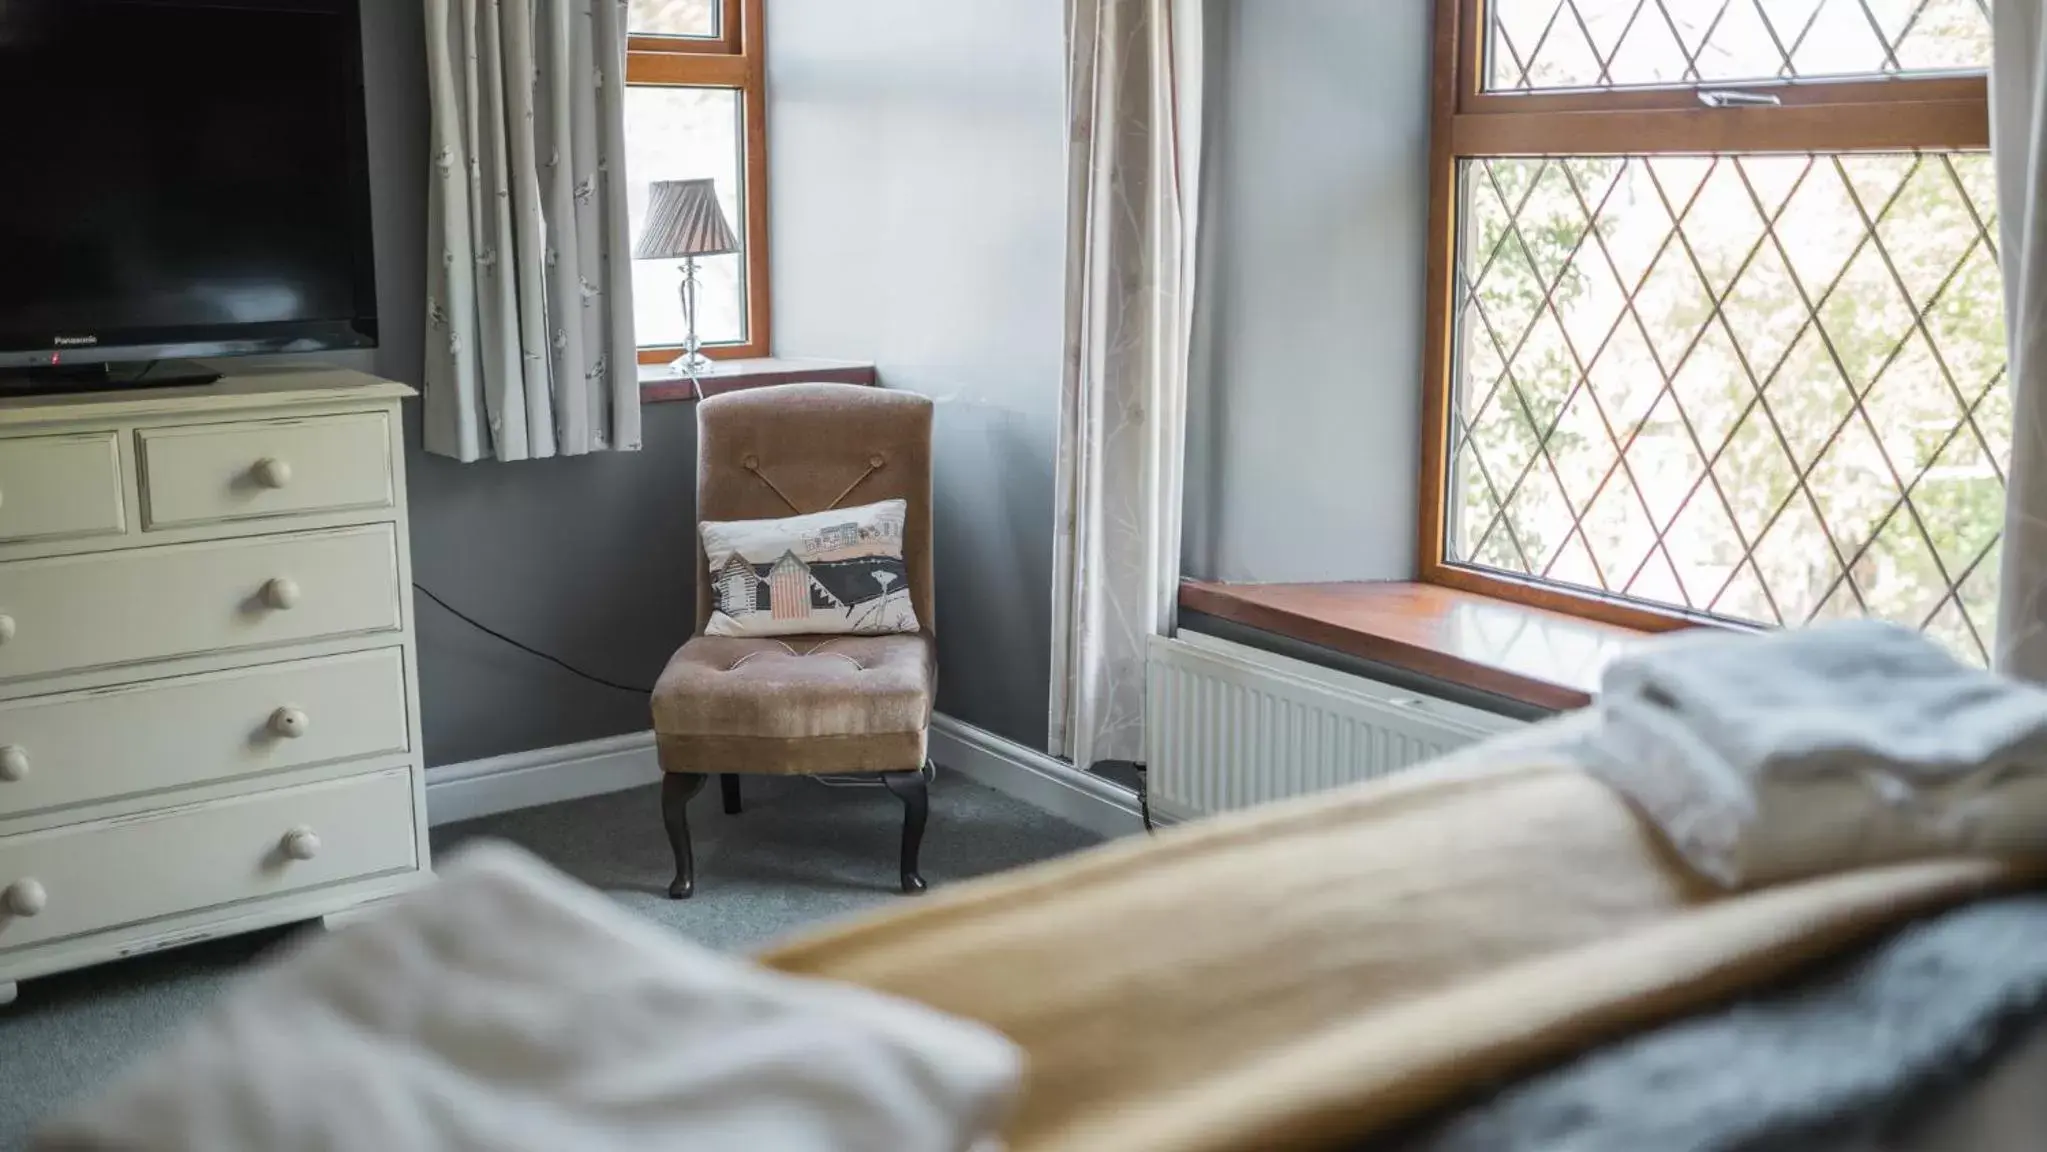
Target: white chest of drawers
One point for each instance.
(209, 716)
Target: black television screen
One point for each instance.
(182, 177)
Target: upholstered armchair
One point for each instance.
(803, 705)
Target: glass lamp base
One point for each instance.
(690, 364)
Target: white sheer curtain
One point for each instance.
(529, 345)
(2018, 131)
(1134, 120)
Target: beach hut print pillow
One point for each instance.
(834, 573)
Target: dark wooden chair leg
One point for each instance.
(909, 788)
(676, 790)
(728, 783)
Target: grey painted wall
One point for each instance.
(918, 163)
(918, 208)
(1307, 374)
(587, 558)
(918, 189)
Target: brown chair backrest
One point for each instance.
(814, 441)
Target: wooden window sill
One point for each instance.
(659, 386)
(1540, 658)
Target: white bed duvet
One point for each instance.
(508, 1007)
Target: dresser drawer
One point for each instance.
(58, 486)
(70, 613)
(108, 743)
(88, 877)
(208, 473)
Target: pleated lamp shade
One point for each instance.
(683, 219)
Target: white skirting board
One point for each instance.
(1035, 778)
(541, 776)
(615, 763)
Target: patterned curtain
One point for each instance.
(529, 348)
(2018, 131)
(1134, 107)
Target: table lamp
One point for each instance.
(684, 222)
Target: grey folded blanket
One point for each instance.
(1832, 1061)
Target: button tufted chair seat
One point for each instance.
(797, 705)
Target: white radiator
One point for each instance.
(1230, 726)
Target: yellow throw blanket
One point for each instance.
(1309, 974)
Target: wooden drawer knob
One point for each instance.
(271, 472)
(24, 898)
(301, 843)
(289, 721)
(281, 592)
(13, 763)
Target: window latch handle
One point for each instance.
(1728, 98)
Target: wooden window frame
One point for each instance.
(1931, 113)
(737, 59)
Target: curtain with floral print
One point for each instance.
(529, 344)
(1134, 89)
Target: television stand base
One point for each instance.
(59, 379)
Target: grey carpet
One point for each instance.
(801, 853)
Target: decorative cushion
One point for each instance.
(828, 573)
(802, 705)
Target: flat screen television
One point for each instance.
(180, 178)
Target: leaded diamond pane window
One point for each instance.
(1533, 45)
(1764, 388)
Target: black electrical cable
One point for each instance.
(487, 630)
(829, 780)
